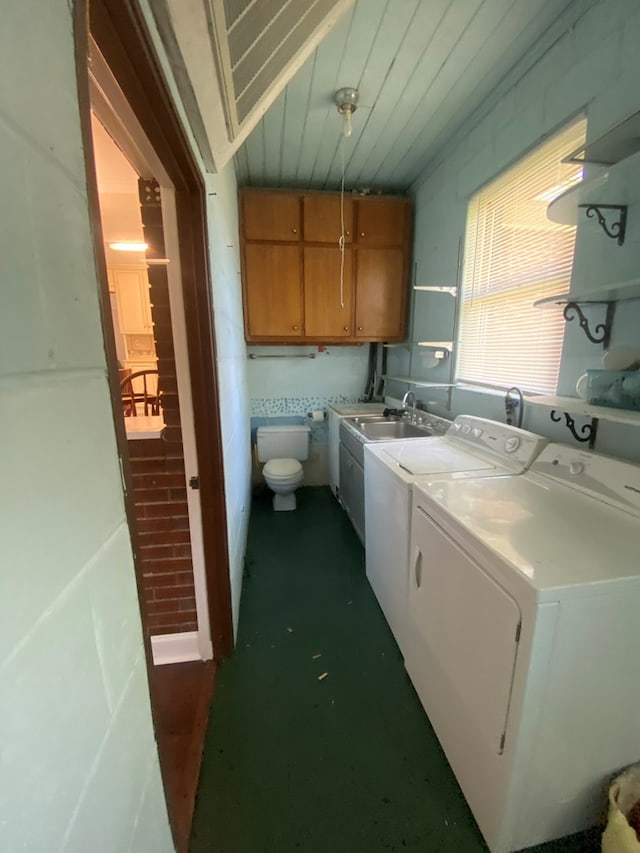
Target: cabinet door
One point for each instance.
(381, 294)
(273, 291)
(334, 451)
(328, 307)
(271, 216)
(132, 293)
(323, 215)
(352, 490)
(382, 221)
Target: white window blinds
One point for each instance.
(513, 256)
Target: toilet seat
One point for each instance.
(282, 469)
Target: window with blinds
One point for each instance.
(514, 256)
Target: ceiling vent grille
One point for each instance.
(256, 42)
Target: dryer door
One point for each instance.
(467, 630)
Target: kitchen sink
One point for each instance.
(392, 429)
(379, 428)
(371, 419)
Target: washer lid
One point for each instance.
(435, 456)
(282, 467)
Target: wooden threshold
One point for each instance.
(183, 694)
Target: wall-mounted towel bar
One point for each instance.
(297, 355)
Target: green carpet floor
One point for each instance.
(343, 764)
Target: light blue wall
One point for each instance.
(79, 768)
(595, 66)
(288, 385)
(291, 387)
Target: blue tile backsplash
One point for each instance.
(270, 411)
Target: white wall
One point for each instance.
(593, 66)
(79, 768)
(231, 360)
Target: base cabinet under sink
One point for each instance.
(352, 490)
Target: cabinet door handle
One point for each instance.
(362, 233)
(294, 230)
(417, 568)
(347, 233)
(359, 328)
(295, 328)
(346, 328)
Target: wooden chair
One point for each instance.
(132, 396)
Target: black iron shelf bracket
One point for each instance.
(586, 433)
(601, 333)
(617, 229)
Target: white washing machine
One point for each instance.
(472, 447)
(524, 594)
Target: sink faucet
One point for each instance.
(405, 401)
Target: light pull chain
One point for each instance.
(341, 240)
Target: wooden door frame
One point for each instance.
(118, 28)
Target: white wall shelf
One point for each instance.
(596, 201)
(576, 406)
(424, 288)
(565, 209)
(445, 345)
(614, 292)
(420, 383)
(618, 143)
(437, 345)
(600, 195)
(607, 295)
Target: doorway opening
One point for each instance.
(132, 95)
(161, 320)
(153, 372)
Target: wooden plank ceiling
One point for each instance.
(421, 66)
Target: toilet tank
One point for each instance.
(283, 442)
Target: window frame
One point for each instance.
(551, 275)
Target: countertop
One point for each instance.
(144, 426)
(357, 408)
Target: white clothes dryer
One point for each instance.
(524, 595)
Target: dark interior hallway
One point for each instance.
(345, 762)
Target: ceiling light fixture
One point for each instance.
(129, 247)
(346, 100)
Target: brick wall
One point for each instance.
(162, 523)
(159, 481)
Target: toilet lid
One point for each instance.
(282, 467)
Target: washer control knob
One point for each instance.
(457, 427)
(576, 467)
(476, 432)
(466, 429)
(512, 444)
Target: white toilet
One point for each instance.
(283, 448)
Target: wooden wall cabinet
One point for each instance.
(297, 284)
(273, 302)
(328, 306)
(271, 216)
